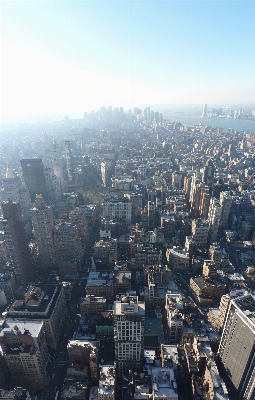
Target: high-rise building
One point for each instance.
(106, 172)
(237, 346)
(25, 352)
(33, 173)
(43, 225)
(204, 202)
(15, 191)
(77, 218)
(67, 242)
(129, 322)
(208, 172)
(52, 185)
(214, 217)
(69, 162)
(204, 112)
(42, 302)
(225, 201)
(200, 229)
(17, 243)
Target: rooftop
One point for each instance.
(39, 301)
(13, 327)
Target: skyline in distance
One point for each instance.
(64, 57)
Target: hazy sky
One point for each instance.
(65, 56)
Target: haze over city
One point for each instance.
(63, 57)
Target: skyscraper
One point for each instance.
(15, 191)
(225, 201)
(204, 112)
(214, 217)
(129, 321)
(17, 243)
(43, 225)
(69, 163)
(237, 346)
(33, 173)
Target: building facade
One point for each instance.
(43, 226)
(17, 243)
(129, 322)
(237, 346)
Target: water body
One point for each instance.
(191, 117)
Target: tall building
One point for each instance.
(200, 230)
(17, 243)
(67, 242)
(129, 322)
(33, 173)
(77, 218)
(208, 172)
(69, 162)
(15, 191)
(225, 201)
(52, 185)
(214, 217)
(204, 112)
(237, 346)
(43, 225)
(106, 172)
(42, 302)
(204, 202)
(58, 167)
(25, 352)
(151, 214)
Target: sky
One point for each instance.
(73, 56)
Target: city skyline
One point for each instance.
(75, 56)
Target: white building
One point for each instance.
(129, 322)
(118, 211)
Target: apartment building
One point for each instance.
(67, 242)
(225, 202)
(25, 352)
(200, 231)
(16, 242)
(214, 217)
(129, 322)
(117, 210)
(43, 226)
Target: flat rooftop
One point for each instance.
(247, 305)
(14, 327)
(39, 301)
